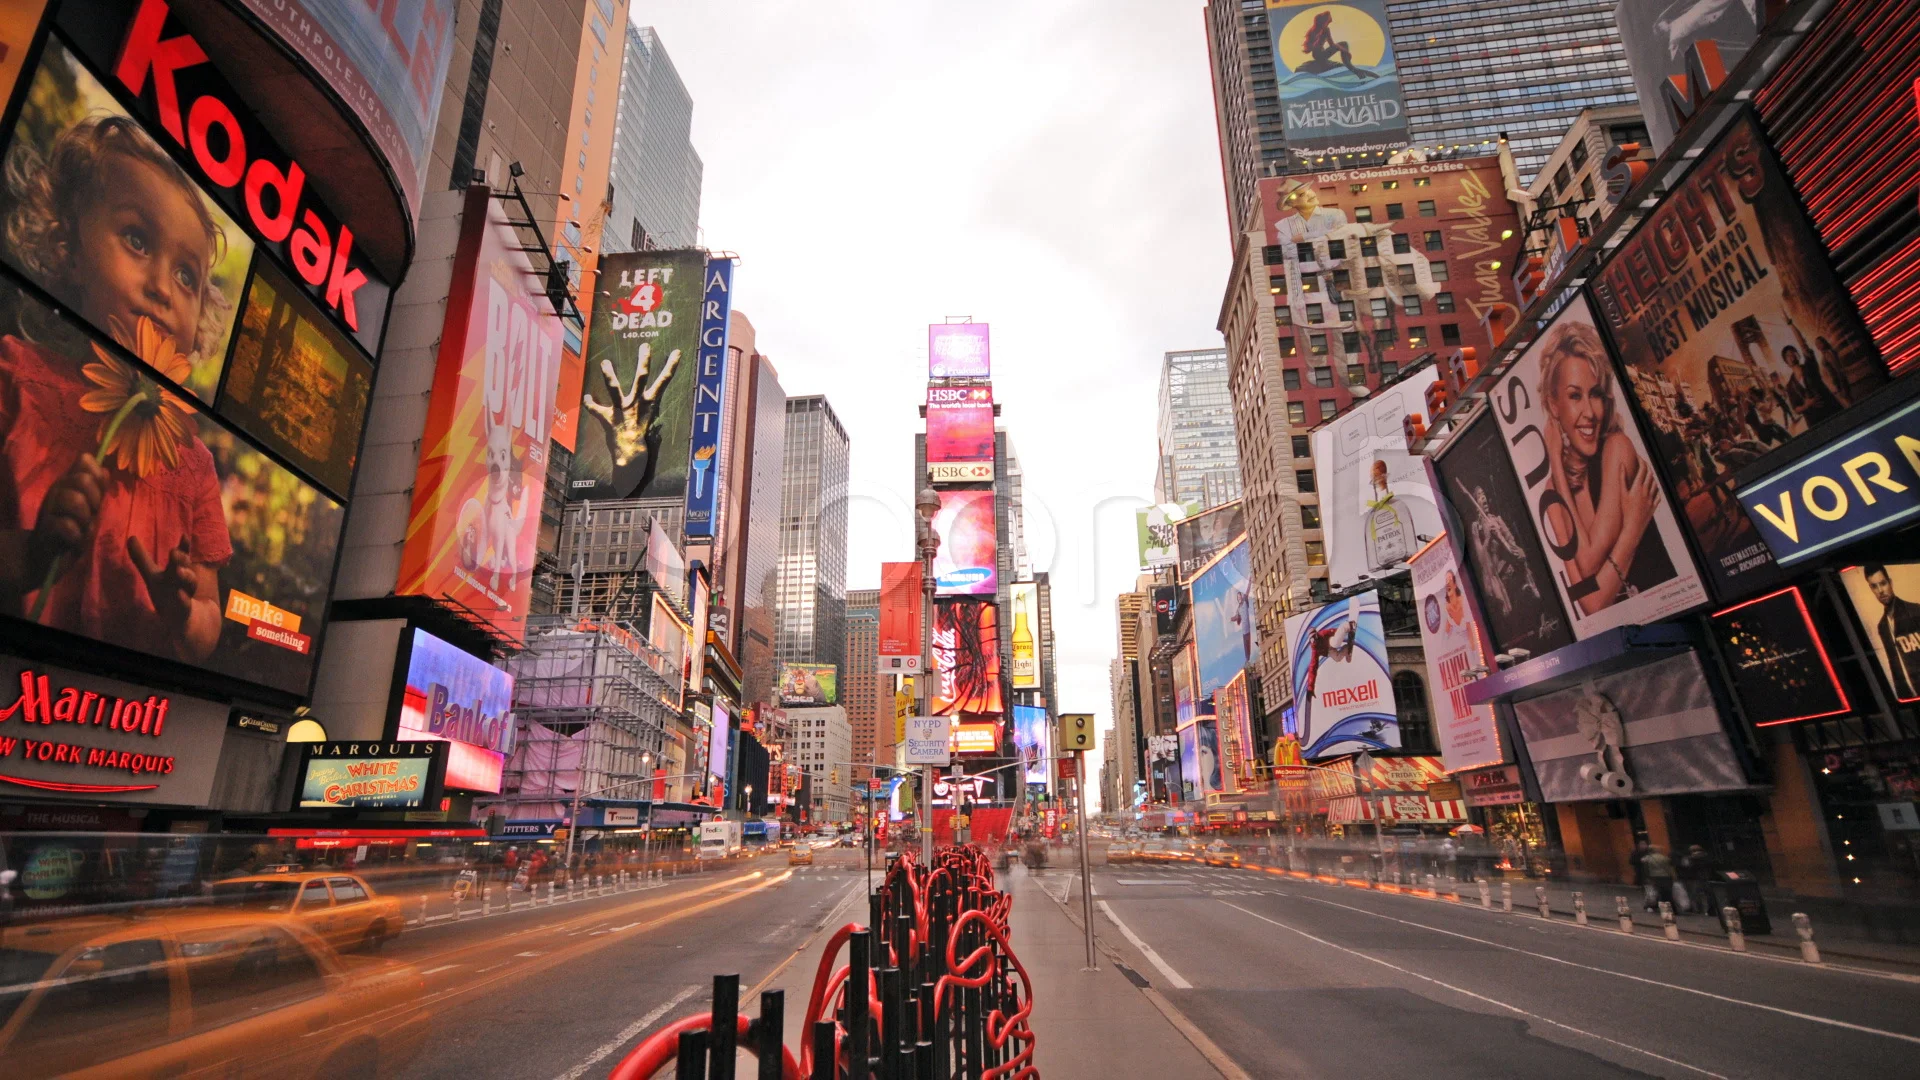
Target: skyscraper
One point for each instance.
(656, 171)
(860, 678)
(1199, 461)
(810, 612)
(759, 586)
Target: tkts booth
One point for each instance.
(198, 240)
(1684, 486)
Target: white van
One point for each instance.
(719, 840)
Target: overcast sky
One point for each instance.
(1049, 168)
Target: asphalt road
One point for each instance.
(1299, 979)
(565, 991)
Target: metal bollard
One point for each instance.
(1804, 927)
(599, 885)
(1506, 896)
(1579, 909)
(486, 900)
(1540, 898)
(1433, 886)
(1486, 895)
(423, 909)
(1667, 925)
(1456, 890)
(1625, 913)
(569, 886)
(1736, 935)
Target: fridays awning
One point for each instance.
(1410, 809)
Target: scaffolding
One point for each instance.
(591, 697)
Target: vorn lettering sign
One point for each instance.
(1863, 484)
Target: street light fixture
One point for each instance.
(926, 504)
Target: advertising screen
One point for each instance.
(18, 21)
(393, 55)
(1183, 703)
(709, 387)
(1886, 597)
(976, 738)
(454, 695)
(1468, 735)
(1735, 337)
(1647, 731)
(1339, 85)
(668, 637)
(1611, 538)
(296, 383)
(483, 457)
(1028, 663)
(900, 602)
(1658, 37)
(368, 776)
(1780, 668)
(809, 684)
(1163, 766)
(666, 567)
(72, 136)
(1206, 534)
(1234, 718)
(1498, 542)
(966, 658)
(1375, 506)
(1207, 755)
(644, 333)
(959, 351)
(718, 741)
(201, 548)
(1341, 684)
(1224, 638)
(1189, 771)
(967, 562)
(960, 433)
(1030, 727)
(1158, 541)
(566, 402)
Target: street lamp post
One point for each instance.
(926, 504)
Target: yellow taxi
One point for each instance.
(342, 908)
(1220, 853)
(800, 855)
(200, 992)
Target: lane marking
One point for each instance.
(627, 1034)
(617, 929)
(1173, 977)
(437, 970)
(1479, 997)
(1915, 1039)
(526, 954)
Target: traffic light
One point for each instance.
(1076, 732)
(833, 776)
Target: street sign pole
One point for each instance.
(1086, 871)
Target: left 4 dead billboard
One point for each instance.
(483, 457)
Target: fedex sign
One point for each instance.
(172, 78)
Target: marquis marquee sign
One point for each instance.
(65, 733)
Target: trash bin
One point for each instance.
(1740, 890)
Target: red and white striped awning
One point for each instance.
(1413, 809)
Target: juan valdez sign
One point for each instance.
(65, 733)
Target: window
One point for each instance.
(238, 972)
(1317, 587)
(1290, 377)
(1416, 337)
(1389, 368)
(1410, 701)
(1327, 408)
(1297, 413)
(1563, 178)
(1396, 211)
(1309, 517)
(1350, 344)
(1428, 209)
(1345, 307)
(1391, 185)
(126, 981)
(1273, 255)
(1317, 344)
(1302, 446)
(1380, 306)
(1283, 315)
(1410, 305)
(1303, 479)
(1323, 377)
(1309, 283)
(313, 896)
(347, 891)
(1356, 375)
(1363, 213)
(1355, 189)
(1342, 279)
(1315, 315)
(1438, 270)
(1407, 275)
(1277, 282)
(1443, 302)
(1449, 333)
(1369, 247)
(1374, 278)
(1402, 244)
(1316, 553)
(1578, 155)
(1336, 249)
(1288, 348)
(1434, 242)
(1586, 187)
(1303, 252)
(1386, 338)
(1423, 181)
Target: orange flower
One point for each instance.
(146, 425)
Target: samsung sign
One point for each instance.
(1861, 485)
(709, 387)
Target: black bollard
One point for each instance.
(772, 1028)
(725, 1036)
(824, 1067)
(859, 986)
(691, 1064)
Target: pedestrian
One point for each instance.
(1637, 860)
(1659, 871)
(1697, 871)
(511, 862)
(1449, 857)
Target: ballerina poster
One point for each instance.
(1338, 80)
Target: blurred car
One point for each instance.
(1220, 853)
(202, 992)
(800, 856)
(342, 908)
